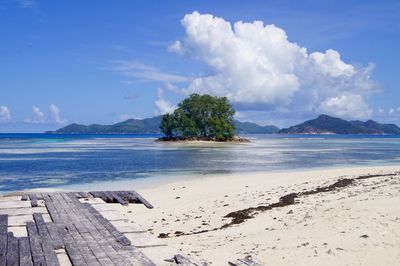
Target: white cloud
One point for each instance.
(240, 115)
(162, 105)
(176, 47)
(55, 113)
(346, 106)
(258, 68)
(38, 116)
(146, 72)
(5, 114)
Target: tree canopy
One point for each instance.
(201, 116)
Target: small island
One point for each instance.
(201, 118)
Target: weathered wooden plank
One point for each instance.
(3, 238)
(63, 225)
(67, 197)
(85, 195)
(3, 260)
(104, 195)
(4, 220)
(109, 244)
(88, 237)
(12, 250)
(25, 257)
(55, 236)
(137, 255)
(74, 195)
(99, 253)
(118, 199)
(87, 254)
(97, 194)
(102, 249)
(52, 211)
(76, 248)
(42, 229)
(39, 196)
(141, 199)
(24, 197)
(94, 194)
(118, 235)
(35, 244)
(130, 197)
(73, 251)
(126, 196)
(104, 239)
(49, 253)
(236, 263)
(246, 261)
(33, 199)
(249, 261)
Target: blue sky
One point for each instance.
(106, 61)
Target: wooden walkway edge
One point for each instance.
(76, 228)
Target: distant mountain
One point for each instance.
(130, 126)
(325, 124)
(253, 128)
(151, 125)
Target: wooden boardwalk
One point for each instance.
(75, 233)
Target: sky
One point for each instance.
(278, 62)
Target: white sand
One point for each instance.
(321, 229)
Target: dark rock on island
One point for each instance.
(235, 139)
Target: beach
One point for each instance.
(355, 223)
(217, 202)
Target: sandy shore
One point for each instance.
(357, 224)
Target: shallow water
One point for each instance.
(43, 160)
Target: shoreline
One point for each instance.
(342, 225)
(155, 180)
(178, 139)
(355, 222)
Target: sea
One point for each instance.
(30, 161)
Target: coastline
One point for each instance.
(359, 224)
(354, 224)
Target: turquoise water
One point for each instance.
(43, 160)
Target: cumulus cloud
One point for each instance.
(258, 68)
(55, 113)
(162, 105)
(345, 105)
(38, 116)
(5, 114)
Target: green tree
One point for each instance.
(201, 116)
(168, 125)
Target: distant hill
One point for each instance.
(325, 124)
(151, 125)
(130, 126)
(253, 128)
